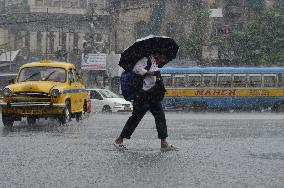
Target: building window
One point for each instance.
(51, 37)
(73, 4)
(63, 41)
(99, 37)
(76, 41)
(48, 3)
(38, 2)
(57, 3)
(83, 3)
(38, 41)
(140, 28)
(65, 3)
(27, 41)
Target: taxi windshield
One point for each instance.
(42, 73)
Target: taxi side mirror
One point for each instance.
(11, 81)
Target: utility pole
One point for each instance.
(114, 12)
(46, 37)
(69, 40)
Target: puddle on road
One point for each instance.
(269, 156)
(54, 128)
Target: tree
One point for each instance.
(261, 43)
(256, 6)
(191, 44)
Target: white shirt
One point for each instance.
(139, 68)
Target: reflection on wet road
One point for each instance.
(216, 150)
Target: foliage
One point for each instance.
(260, 43)
(191, 44)
(256, 6)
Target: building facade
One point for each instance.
(55, 27)
(60, 28)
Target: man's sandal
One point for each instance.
(169, 147)
(120, 146)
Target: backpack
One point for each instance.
(131, 83)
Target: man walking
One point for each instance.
(148, 98)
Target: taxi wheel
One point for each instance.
(31, 120)
(7, 120)
(106, 109)
(78, 116)
(66, 116)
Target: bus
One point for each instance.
(224, 88)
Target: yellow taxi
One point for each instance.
(44, 89)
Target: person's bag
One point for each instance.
(132, 83)
(126, 85)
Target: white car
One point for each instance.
(103, 100)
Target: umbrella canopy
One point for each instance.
(146, 46)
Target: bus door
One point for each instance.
(272, 90)
(239, 83)
(225, 92)
(181, 91)
(255, 94)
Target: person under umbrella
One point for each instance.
(148, 98)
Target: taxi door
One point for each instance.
(74, 91)
(81, 93)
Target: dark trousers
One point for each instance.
(141, 105)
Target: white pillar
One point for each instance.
(33, 42)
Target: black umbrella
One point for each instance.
(146, 46)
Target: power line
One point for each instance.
(43, 20)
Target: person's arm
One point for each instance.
(152, 73)
(139, 67)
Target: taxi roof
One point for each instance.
(49, 63)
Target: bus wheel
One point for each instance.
(31, 120)
(280, 107)
(7, 120)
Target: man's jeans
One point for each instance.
(141, 105)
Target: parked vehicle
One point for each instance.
(44, 89)
(103, 100)
(6, 79)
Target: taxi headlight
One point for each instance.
(7, 92)
(55, 92)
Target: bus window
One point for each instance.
(224, 80)
(254, 80)
(179, 81)
(209, 80)
(239, 80)
(194, 80)
(167, 79)
(280, 80)
(269, 80)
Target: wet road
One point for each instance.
(216, 150)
